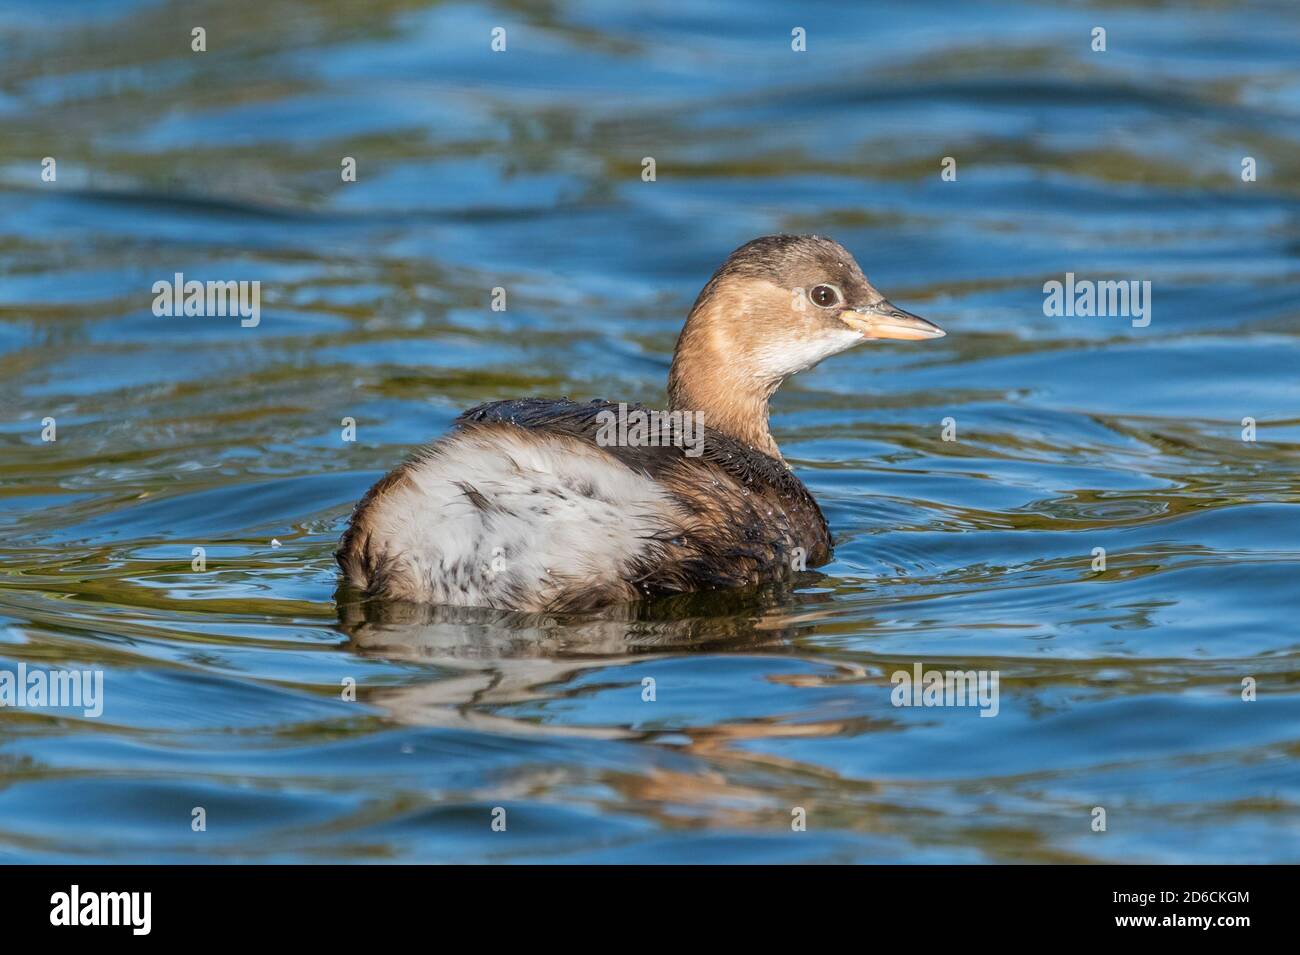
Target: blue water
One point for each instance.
(1120, 689)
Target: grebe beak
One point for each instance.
(885, 320)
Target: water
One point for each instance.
(1119, 689)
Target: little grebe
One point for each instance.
(549, 505)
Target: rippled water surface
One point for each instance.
(1119, 688)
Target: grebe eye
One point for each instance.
(825, 296)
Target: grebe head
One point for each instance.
(777, 306)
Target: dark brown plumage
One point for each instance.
(754, 521)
